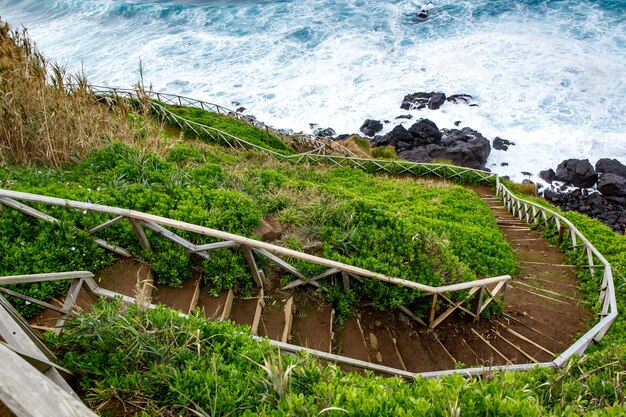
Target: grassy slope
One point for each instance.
(230, 125)
(426, 232)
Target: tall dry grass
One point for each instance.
(43, 122)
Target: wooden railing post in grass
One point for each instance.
(252, 267)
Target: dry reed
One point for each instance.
(44, 121)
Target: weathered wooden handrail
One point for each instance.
(262, 248)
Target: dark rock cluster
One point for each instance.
(432, 100)
(607, 202)
(425, 142)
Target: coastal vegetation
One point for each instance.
(132, 361)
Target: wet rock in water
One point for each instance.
(548, 175)
(465, 147)
(457, 123)
(416, 101)
(456, 98)
(436, 101)
(405, 116)
(432, 100)
(502, 144)
(578, 172)
(371, 127)
(504, 164)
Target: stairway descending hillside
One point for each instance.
(543, 313)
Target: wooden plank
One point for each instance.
(42, 365)
(113, 248)
(451, 309)
(195, 297)
(217, 245)
(16, 323)
(32, 300)
(492, 347)
(431, 317)
(143, 240)
(27, 393)
(519, 349)
(176, 239)
(16, 332)
(525, 339)
(257, 313)
(228, 305)
(27, 210)
(70, 301)
(288, 309)
(54, 276)
(345, 278)
(106, 224)
(252, 267)
(409, 313)
(280, 263)
(311, 281)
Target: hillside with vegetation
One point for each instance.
(76, 145)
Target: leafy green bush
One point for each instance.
(225, 269)
(171, 267)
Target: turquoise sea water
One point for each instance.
(548, 75)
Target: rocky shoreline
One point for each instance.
(576, 185)
(598, 192)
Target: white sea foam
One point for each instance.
(549, 78)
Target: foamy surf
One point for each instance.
(547, 75)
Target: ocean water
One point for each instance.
(547, 75)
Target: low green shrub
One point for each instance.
(154, 360)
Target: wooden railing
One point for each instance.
(317, 146)
(485, 289)
(536, 215)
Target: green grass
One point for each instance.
(425, 232)
(231, 125)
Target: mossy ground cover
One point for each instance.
(429, 232)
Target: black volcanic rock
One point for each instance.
(548, 175)
(436, 101)
(455, 98)
(612, 185)
(396, 135)
(612, 166)
(324, 133)
(371, 127)
(501, 144)
(416, 101)
(425, 132)
(577, 172)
